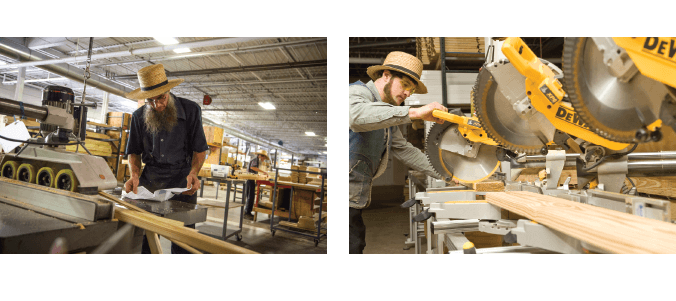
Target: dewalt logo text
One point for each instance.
(664, 47)
(570, 117)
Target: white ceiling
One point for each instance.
(299, 93)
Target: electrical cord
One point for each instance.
(632, 185)
(616, 155)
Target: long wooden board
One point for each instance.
(610, 230)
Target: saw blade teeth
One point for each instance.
(571, 52)
(483, 84)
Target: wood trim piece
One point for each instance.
(610, 230)
(154, 242)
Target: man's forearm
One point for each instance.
(135, 165)
(197, 161)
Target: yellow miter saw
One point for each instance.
(460, 148)
(622, 88)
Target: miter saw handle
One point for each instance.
(461, 120)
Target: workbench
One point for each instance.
(229, 182)
(257, 209)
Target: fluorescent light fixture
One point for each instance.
(167, 41)
(2, 63)
(310, 133)
(266, 105)
(37, 80)
(182, 50)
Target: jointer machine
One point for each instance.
(616, 97)
(49, 200)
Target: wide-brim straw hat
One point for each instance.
(153, 81)
(404, 63)
(262, 153)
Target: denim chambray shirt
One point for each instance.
(368, 113)
(169, 149)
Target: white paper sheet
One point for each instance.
(160, 195)
(15, 130)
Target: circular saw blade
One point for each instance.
(499, 118)
(445, 147)
(611, 108)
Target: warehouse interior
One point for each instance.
(550, 145)
(261, 95)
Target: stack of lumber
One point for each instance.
(302, 177)
(464, 44)
(214, 135)
(613, 231)
(294, 173)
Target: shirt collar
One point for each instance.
(372, 86)
(180, 113)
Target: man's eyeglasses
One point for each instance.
(158, 98)
(407, 85)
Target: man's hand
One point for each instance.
(131, 185)
(425, 112)
(193, 182)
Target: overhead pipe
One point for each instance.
(216, 84)
(237, 133)
(366, 60)
(21, 53)
(133, 52)
(305, 64)
(385, 43)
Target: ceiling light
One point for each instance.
(182, 50)
(2, 63)
(37, 80)
(167, 41)
(266, 105)
(310, 133)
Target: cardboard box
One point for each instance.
(214, 135)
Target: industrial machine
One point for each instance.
(44, 160)
(530, 122)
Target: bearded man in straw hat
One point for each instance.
(167, 135)
(375, 113)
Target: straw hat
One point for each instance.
(262, 153)
(404, 63)
(153, 82)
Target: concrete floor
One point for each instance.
(255, 236)
(386, 223)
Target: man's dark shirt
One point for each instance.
(253, 163)
(168, 149)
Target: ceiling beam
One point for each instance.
(315, 63)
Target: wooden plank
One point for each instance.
(610, 230)
(181, 234)
(154, 242)
(489, 186)
(186, 247)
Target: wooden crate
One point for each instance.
(119, 119)
(214, 135)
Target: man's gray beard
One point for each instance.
(158, 121)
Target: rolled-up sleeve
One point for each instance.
(135, 140)
(410, 155)
(199, 140)
(367, 115)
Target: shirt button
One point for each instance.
(162, 155)
(162, 140)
